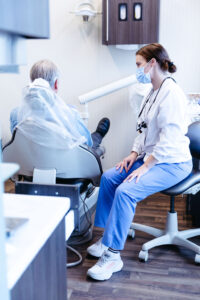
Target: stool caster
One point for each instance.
(143, 255)
(131, 233)
(197, 259)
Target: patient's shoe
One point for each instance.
(107, 264)
(97, 249)
(103, 126)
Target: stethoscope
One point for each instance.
(143, 124)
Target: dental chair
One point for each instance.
(170, 235)
(45, 169)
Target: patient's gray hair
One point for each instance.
(45, 69)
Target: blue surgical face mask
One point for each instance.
(142, 77)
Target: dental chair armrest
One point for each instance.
(89, 149)
(11, 140)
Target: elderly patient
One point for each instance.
(43, 107)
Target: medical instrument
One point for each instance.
(143, 124)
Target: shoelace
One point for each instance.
(103, 259)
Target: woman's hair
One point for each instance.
(158, 52)
(44, 69)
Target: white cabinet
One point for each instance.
(20, 20)
(6, 170)
(36, 252)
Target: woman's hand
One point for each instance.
(149, 163)
(137, 173)
(127, 162)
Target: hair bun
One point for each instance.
(171, 67)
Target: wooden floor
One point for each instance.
(169, 274)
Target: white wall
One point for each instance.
(86, 64)
(179, 33)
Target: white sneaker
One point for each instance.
(108, 264)
(97, 249)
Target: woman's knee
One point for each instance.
(108, 175)
(127, 192)
(121, 192)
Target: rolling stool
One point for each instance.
(171, 235)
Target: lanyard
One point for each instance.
(149, 96)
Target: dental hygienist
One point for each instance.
(160, 158)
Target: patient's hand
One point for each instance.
(127, 162)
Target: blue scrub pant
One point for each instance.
(117, 199)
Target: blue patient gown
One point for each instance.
(75, 119)
(13, 119)
(62, 114)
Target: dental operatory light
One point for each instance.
(86, 10)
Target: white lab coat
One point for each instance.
(167, 124)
